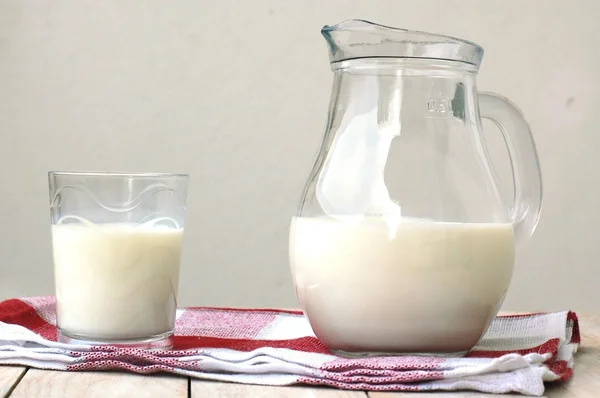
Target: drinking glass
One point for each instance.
(116, 241)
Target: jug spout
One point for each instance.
(356, 39)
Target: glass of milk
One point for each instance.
(116, 240)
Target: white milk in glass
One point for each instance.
(421, 286)
(116, 281)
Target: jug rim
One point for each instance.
(360, 39)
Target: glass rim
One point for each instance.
(116, 174)
(359, 38)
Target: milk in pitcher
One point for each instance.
(413, 286)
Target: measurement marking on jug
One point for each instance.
(441, 105)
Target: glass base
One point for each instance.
(369, 354)
(162, 341)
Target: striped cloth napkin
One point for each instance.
(274, 347)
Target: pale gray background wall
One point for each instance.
(236, 93)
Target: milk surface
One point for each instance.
(116, 281)
(420, 286)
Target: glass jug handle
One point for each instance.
(527, 205)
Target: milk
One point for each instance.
(116, 281)
(420, 286)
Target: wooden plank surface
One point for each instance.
(9, 376)
(56, 384)
(453, 394)
(202, 388)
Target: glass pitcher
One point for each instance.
(402, 242)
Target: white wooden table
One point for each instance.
(21, 382)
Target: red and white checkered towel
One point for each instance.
(274, 347)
